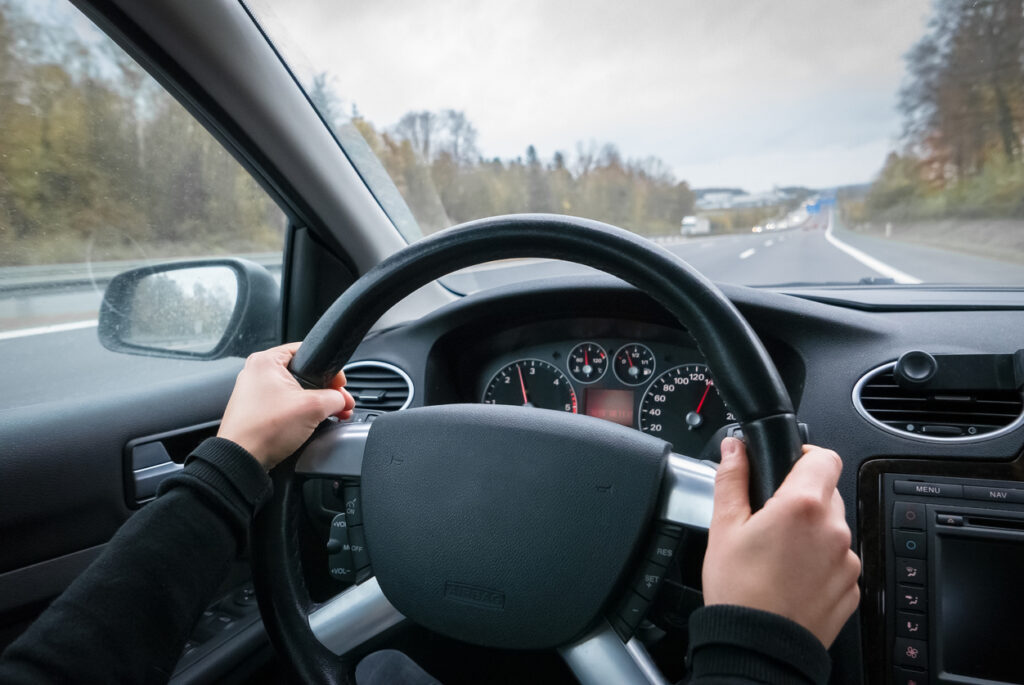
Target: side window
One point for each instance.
(101, 171)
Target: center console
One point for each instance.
(944, 574)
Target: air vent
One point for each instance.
(378, 386)
(943, 416)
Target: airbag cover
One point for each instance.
(505, 526)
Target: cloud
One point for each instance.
(793, 92)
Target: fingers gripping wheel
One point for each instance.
(747, 378)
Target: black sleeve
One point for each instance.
(733, 644)
(127, 617)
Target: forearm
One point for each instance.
(731, 644)
(126, 618)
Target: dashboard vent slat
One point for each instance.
(378, 386)
(940, 416)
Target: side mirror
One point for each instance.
(200, 309)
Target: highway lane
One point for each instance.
(53, 364)
(69, 365)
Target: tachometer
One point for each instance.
(682, 406)
(531, 383)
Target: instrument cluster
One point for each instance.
(662, 389)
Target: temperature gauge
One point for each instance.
(634, 364)
(587, 362)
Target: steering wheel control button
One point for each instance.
(909, 544)
(245, 596)
(994, 494)
(908, 515)
(664, 550)
(357, 545)
(633, 610)
(911, 653)
(912, 571)
(352, 501)
(911, 598)
(650, 580)
(909, 676)
(911, 625)
(913, 487)
(339, 559)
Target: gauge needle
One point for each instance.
(703, 397)
(522, 384)
(586, 357)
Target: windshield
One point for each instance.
(796, 143)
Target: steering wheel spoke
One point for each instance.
(335, 451)
(602, 657)
(353, 617)
(688, 492)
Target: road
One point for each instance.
(61, 357)
(808, 254)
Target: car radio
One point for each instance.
(954, 600)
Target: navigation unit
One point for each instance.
(955, 580)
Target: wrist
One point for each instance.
(247, 444)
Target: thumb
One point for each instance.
(329, 402)
(732, 498)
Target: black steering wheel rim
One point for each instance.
(746, 375)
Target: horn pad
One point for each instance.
(505, 526)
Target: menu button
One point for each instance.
(913, 487)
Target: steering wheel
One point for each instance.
(506, 526)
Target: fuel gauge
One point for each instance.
(587, 362)
(634, 364)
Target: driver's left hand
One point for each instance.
(270, 414)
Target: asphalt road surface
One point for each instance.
(65, 360)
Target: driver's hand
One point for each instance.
(792, 557)
(270, 414)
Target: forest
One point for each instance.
(962, 103)
(98, 162)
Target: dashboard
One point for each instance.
(597, 347)
(658, 387)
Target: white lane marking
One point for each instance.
(866, 259)
(747, 253)
(769, 243)
(43, 330)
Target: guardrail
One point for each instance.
(16, 279)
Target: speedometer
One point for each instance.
(682, 406)
(531, 383)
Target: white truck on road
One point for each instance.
(695, 225)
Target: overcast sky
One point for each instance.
(750, 93)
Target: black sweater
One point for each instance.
(127, 617)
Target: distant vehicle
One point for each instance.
(695, 225)
(757, 229)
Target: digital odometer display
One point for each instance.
(531, 383)
(611, 405)
(682, 407)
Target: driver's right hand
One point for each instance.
(792, 557)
